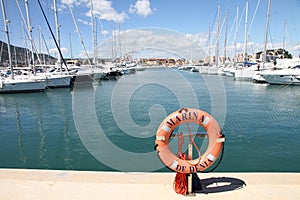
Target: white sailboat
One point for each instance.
(22, 84)
(229, 70)
(57, 80)
(247, 70)
(14, 84)
(257, 78)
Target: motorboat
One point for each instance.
(290, 76)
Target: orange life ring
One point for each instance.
(215, 137)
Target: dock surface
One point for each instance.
(59, 184)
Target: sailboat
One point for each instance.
(19, 83)
(56, 79)
(257, 78)
(52, 80)
(247, 70)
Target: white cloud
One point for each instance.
(141, 7)
(82, 54)
(113, 16)
(84, 22)
(155, 42)
(55, 51)
(74, 2)
(102, 9)
(104, 32)
(164, 43)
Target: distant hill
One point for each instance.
(21, 56)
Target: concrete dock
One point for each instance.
(57, 184)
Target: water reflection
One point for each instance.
(43, 160)
(22, 156)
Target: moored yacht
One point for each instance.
(18, 83)
(229, 71)
(203, 69)
(245, 72)
(213, 70)
(289, 76)
(57, 81)
(22, 84)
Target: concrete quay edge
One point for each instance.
(34, 184)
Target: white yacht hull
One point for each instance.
(213, 70)
(244, 75)
(257, 78)
(203, 69)
(282, 77)
(22, 86)
(58, 81)
(55, 80)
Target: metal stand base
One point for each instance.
(190, 191)
(194, 184)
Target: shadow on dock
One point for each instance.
(216, 185)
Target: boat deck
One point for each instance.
(57, 184)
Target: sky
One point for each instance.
(154, 28)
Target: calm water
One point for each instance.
(112, 125)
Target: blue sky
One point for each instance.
(190, 18)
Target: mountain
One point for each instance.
(21, 56)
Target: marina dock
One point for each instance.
(60, 184)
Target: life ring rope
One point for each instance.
(185, 115)
(180, 143)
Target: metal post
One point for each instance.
(190, 176)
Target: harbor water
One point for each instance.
(111, 125)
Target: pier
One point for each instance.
(58, 184)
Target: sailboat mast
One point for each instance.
(93, 33)
(113, 41)
(209, 58)
(41, 49)
(284, 32)
(236, 32)
(26, 61)
(246, 33)
(218, 35)
(57, 30)
(96, 41)
(7, 38)
(119, 40)
(225, 41)
(30, 36)
(266, 34)
(71, 51)
(79, 34)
